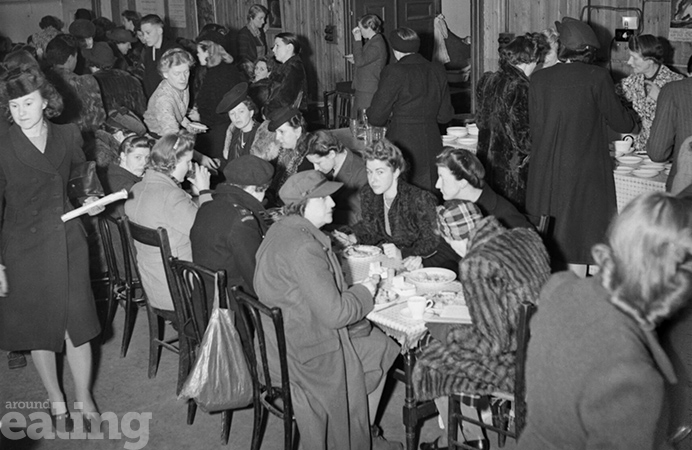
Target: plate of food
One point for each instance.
(430, 277)
(362, 251)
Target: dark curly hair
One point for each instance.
(531, 47)
(384, 150)
(646, 262)
(322, 142)
(19, 82)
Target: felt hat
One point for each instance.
(281, 116)
(82, 28)
(307, 184)
(576, 35)
(100, 55)
(232, 98)
(248, 170)
(120, 34)
(213, 36)
(401, 45)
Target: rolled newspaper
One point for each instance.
(107, 200)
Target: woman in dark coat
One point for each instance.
(48, 304)
(413, 95)
(220, 77)
(288, 83)
(252, 43)
(571, 106)
(502, 97)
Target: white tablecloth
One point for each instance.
(627, 187)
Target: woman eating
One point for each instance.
(288, 83)
(46, 305)
(159, 201)
(221, 75)
(649, 75)
(337, 360)
(504, 142)
(595, 372)
(400, 217)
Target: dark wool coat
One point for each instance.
(502, 269)
(217, 81)
(286, 82)
(571, 107)
(47, 261)
(227, 233)
(412, 219)
(594, 377)
(413, 95)
(504, 143)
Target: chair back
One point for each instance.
(542, 225)
(106, 224)
(337, 107)
(196, 285)
(252, 313)
(526, 311)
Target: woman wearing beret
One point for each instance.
(411, 99)
(571, 106)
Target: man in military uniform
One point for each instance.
(228, 230)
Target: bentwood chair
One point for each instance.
(337, 105)
(122, 285)
(196, 286)
(263, 324)
(501, 403)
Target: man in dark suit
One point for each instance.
(228, 230)
(152, 30)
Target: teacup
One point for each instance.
(622, 147)
(417, 306)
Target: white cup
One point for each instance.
(417, 306)
(622, 147)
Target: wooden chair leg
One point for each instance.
(111, 307)
(226, 418)
(131, 310)
(156, 328)
(258, 426)
(191, 410)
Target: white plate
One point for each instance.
(448, 139)
(457, 131)
(645, 173)
(652, 166)
(623, 170)
(468, 140)
(630, 160)
(426, 315)
(430, 276)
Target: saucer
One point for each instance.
(426, 315)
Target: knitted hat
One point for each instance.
(248, 170)
(82, 28)
(281, 116)
(100, 55)
(576, 35)
(120, 34)
(307, 184)
(401, 45)
(237, 94)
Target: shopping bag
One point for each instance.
(220, 378)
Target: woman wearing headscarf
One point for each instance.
(411, 99)
(571, 106)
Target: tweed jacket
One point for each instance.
(412, 219)
(504, 143)
(166, 109)
(672, 124)
(251, 47)
(633, 90)
(502, 269)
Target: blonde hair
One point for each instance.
(217, 54)
(175, 57)
(646, 262)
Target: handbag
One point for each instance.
(220, 378)
(84, 182)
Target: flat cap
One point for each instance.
(307, 184)
(281, 116)
(82, 28)
(248, 170)
(232, 98)
(576, 35)
(120, 34)
(100, 55)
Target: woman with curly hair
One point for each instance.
(160, 201)
(595, 371)
(46, 303)
(504, 142)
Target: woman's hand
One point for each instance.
(413, 263)
(194, 115)
(96, 210)
(371, 284)
(210, 163)
(200, 181)
(391, 251)
(3, 282)
(344, 239)
(461, 247)
(356, 34)
(652, 90)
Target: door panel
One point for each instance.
(419, 15)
